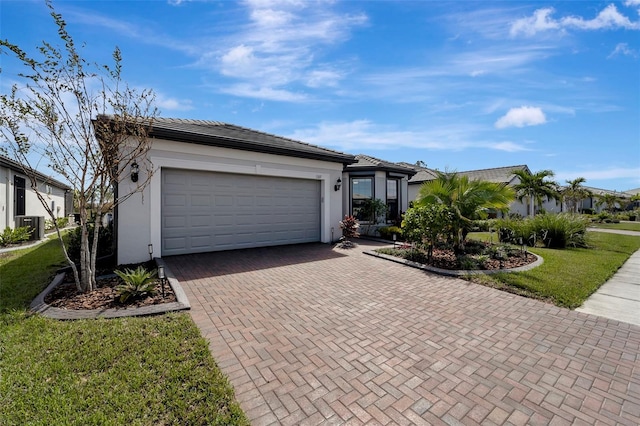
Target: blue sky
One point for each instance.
(458, 85)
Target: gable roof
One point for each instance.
(368, 163)
(216, 133)
(600, 191)
(16, 166)
(495, 174)
(423, 174)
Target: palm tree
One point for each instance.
(534, 187)
(575, 192)
(468, 199)
(610, 200)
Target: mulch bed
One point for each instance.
(66, 296)
(447, 259)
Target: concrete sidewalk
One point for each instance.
(618, 298)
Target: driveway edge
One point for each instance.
(456, 273)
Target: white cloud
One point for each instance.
(363, 135)
(280, 47)
(521, 117)
(541, 20)
(623, 49)
(508, 147)
(323, 78)
(264, 93)
(632, 3)
(172, 104)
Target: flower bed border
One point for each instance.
(456, 272)
(39, 306)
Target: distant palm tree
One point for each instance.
(610, 200)
(468, 199)
(574, 193)
(534, 187)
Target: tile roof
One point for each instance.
(16, 166)
(600, 191)
(366, 162)
(216, 133)
(496, 174)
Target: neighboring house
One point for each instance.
(371, 178)
(18, 198)
(502, 175)
(593, 202)
(217, 186)
(631, 193)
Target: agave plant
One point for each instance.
(136, 283)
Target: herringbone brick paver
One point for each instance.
(311, 334)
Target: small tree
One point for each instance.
(85, 121)
(466, 199)
(534, 187)
(574, 193)
(609, 200)
(372, 210)
(425, 225)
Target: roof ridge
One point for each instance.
(494, 168)
(282, 137)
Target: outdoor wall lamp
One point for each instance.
(134, 172)
(338, 184)
(150, 247)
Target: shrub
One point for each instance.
(520, 231)
(137, 283)
(349, 226)
(561, 230)
(427, 224)
(61, 222)
(483, 225)
(386, 232)
(105, 242)
(554, 230)
(15, 236)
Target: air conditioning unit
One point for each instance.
(36, 223)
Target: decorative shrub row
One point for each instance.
(62, 222)
(552, 230)
(15, 236)
(386, 232)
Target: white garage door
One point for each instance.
(207, 211)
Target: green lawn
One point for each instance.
(626, 226)
(138, 371)
(567, 277)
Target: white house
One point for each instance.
(504, 175)
(218, 186)
(18, 198)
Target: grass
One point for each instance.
(567, 277)
(625, 226)
(138, 371)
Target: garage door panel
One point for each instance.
(207, 211)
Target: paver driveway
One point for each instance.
(314, 335)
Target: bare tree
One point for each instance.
(89, 125)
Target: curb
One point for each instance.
(455, 273)
(39, 306)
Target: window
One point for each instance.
(392, 200)
(361, 191)
(19, 185)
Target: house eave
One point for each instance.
(246, 145)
